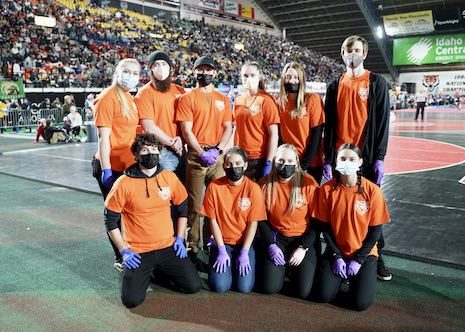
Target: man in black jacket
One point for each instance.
(54, 134)
(357, 111)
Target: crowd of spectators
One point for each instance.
(87, 41)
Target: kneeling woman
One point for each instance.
(234, 204)
(353, 210)
(290, 196)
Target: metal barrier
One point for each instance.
(23, 118)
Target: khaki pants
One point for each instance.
(57, 137)
(198, 175)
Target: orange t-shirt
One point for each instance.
(295, 223)
(207, 112)
(352, 109)
(147, 221)
(159, 107)
(233, 207)
(350, 213)
(297, 131)
(252, 122)
(107, 113)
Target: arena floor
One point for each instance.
(57, 271)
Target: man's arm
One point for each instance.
(149, 126)
(186, 128)
(383, 111)
(227, 132)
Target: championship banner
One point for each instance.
(210, 4)
(12, 90)
(246, 11)
(231, 7)
(431, 49)
(409, 23)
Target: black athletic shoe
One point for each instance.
(382, 271)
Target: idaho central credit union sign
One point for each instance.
(429, 49)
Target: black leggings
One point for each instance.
(180, 270)
(272, 276)
(255, 169)
(362, 287)
(97, 173)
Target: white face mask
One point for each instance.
(347, 167)
(252, 83)
(128, 81)
(161, 72)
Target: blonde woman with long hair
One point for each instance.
(115, 115)
(289, 235)
(302, 119)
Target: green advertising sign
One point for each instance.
(12, 90)
(430, 49)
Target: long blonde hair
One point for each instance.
(299, 107)
(125, 109)
(270, 181)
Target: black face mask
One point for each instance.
(292, 87)
(204, 79)
(150, 160)
(285, 171)
(234, 173)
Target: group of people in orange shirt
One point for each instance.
(257, 184)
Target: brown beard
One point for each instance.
(161, 86)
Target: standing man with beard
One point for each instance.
(156, 102)
(206, 123)
(357, 111)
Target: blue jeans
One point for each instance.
(168, 160)
(221, 282)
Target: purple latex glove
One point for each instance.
(107, 177)
(131, 259)
(222, 260)
(209, 157)
(267, 168)
(243, 262)
(179, 247)
(339, 268)
(276, 254)
(353, 267)
(378, 169)
(327, 171)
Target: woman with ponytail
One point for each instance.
(256, 118)
(352, 210)
(289, 234)
(302, 119)
(116, 118)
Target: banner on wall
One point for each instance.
(12, 90)
(430, 49)
(211, 4)
(409, 23)
(231, 7)
(246, 11)
(447, 19)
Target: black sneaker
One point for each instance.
(382, 271)
(119, 264)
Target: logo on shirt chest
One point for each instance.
(362, 207)
(219, 105)
(244, 203)
(303, 114)
(255, 109)
(301, 200)
(363, 93)
(164, 193)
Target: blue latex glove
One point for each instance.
(327, 170)
(267, 168)
(131, 259)
(378, 169)
(209, 157)
(339, 268)
(222, 260)
(243, 262)
(179, 247)
(353, 267)
(276, 254)
(107, 177)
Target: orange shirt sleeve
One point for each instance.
(271, 113)
(144, 103)
(116, 199)
(104, 109)
(184, 109)
(315, 109)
